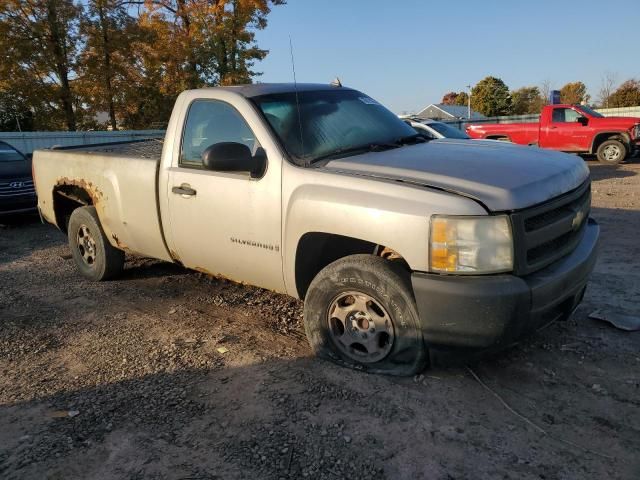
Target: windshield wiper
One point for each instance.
(369, 147)
(412, 139)
(372, 147)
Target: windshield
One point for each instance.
(589, 111)
(447, 130)
(9, 154)
(329, 121)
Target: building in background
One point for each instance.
(440, 111)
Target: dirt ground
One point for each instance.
(167, 373)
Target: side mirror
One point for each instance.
(234, 157)
(582, 121)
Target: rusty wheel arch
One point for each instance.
(69, 194)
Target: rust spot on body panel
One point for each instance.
(92, 190)
(217, 275)
(88, 188)
(119, 243)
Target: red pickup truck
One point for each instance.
(570, 128)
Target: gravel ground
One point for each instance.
(167, 373)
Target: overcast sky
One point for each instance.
(408, 53)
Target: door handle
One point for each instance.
(184, 189)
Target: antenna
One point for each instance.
(295, 86)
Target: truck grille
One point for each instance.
(547, 232)
(16, 187)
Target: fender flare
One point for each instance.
(620, 133)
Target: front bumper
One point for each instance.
(18, 204)
(495, 310)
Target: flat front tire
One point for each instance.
(95, 257)
(360, 312)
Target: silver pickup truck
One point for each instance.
(398, 245)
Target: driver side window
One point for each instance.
(564, 115)
(209, 122)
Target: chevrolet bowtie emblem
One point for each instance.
(577, 220)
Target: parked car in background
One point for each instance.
(434, 129)
(570, 128)
(17, 194)
(397, 244)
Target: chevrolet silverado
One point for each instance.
(399, 245)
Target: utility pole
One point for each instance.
(469, 103)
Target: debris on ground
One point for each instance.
(628, 323)
(136, 362)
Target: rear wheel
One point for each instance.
(94, 256)
(611, 152)
(359, 312)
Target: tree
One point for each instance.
(39, 40)
(491, 97)
(626, 95)
(545, 91)
(190, 44)
(14, 114)
(574, 93)
(449, 98)
(462, 99)
(526, 100)
(63, 61)
(606, 88)
(216, 39)
(455, 98)
(105, 63)
(156, 75)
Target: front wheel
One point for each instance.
(611, 152)
(94, 256)
(360, 312)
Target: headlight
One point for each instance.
(470, 245)
(637, 131)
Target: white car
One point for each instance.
(435, 129)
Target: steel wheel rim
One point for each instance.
(611, 152)
(86, 245)
(360, 327)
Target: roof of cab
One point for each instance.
(257, 89)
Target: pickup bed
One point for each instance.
(399, 245)
(570, 128)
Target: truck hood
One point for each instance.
(500, 176)
(614, 122)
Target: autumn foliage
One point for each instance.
(626, 95)
(574, 93)
(63, 62)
